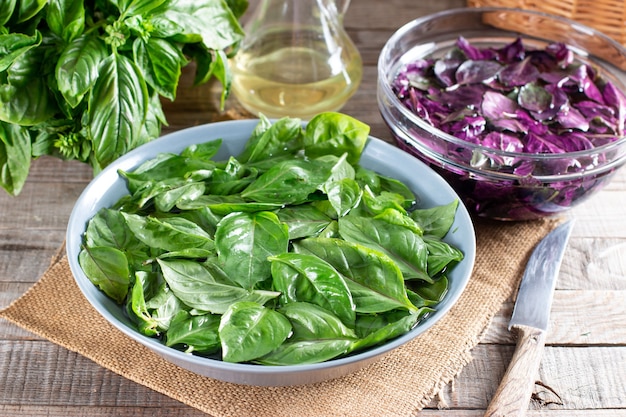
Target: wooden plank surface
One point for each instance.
(583, 370)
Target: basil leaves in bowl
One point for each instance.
(268, 252)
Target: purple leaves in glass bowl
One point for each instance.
(514, 99)
(520, 133)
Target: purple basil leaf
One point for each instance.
(570, 118)
(544, 61)
(472, 72)
(503, 142)
(533, 97)
(469, 128)
(519, 73)
(512, 52)
(541, 144)
(601, 117)
(445, 70)
(575, 141)
(462, 96)
(473, 52)
(459, 114)
(584, 75)
(496, 106)
(530, 123)
(562, 53)
(559, 101)
(615, 98)
(556, 77)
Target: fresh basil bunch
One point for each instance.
(288, 253)
(82, 80)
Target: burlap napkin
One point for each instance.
(401, 383)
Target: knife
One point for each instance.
(530, 322)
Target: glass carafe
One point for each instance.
(296, 59)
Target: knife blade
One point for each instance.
(530, 322)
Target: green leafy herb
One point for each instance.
(83, 80)
(280, 255)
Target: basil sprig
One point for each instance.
(83, 80)
(289, 253)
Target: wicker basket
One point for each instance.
(607, 16)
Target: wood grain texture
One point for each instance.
(583, 367)
(512, 397)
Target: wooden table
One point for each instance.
(584, 363)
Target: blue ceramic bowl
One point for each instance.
(108, 187)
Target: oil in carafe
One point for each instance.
(300, 73)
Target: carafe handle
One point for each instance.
(342, 6)
(334, 7)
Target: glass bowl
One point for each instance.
(495, 183)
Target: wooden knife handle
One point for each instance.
(513, 395)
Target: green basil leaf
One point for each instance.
(203, 217)
(6, 11)
(400, 218)
(167, 200)
(244, 241)
(390, 331)
(283, 137)
(106, 268)
(377, 204)
(212, 21)
(231, 179)
(204, 61)
(223, 205)
(238, 7)
(249, 330)
(400, 243)
(375, 281)
(206, 287)
(311, 322)
(117, 109)
(26, 99)
(191, 253)
(15, 157)
(155, 119)
(302, 277)
(288, 182)
(203, 151)
(303, 221)
(343, 195)
(306, 352)
(66, 18)
(335, 134)
(367, 177)
(165, 167)
(433, 292)
(13, 45)
(392, 185)
(27, 9)
(195, 333)
(170, 234)
(164, 306)
(26, 105)
(440, 255)
(160, 62)
(136, 7)
(221, 71)
(78, 67)
(146, 324)
(108, 228)
(436, 221)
